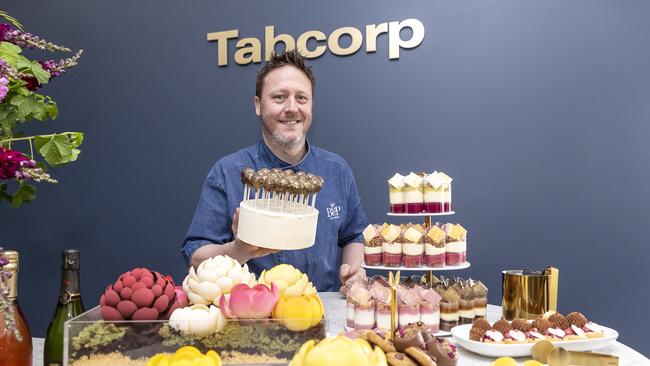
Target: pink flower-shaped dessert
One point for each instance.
(139, 294)
(247, 302)
(429, 308)
(408, 306)
(380, 290)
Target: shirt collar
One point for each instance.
(275, 161)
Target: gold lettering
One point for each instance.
(301, 44)
(252, 53)
(222, 44)
(395, 42)
(372, 32)
(270, 40)
(335, 47)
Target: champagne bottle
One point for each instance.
(15, 339)
(69, 306)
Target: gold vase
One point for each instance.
(527, 296)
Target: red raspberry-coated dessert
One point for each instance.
(412, 261)
(374, 259)
(437, 261)
(414, 207)
(397, 208)
(454, 259)
(392, 260)
(433, 207)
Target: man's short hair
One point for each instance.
(287, 58)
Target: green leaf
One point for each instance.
(56, 149)
(76, 138)
(25, 194)
(37, 70)
(10, 53)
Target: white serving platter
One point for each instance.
(461, 338)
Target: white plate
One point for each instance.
(461, 337)
(421, 214)
(406, 269)
(440, 333)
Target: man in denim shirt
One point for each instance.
(283, 101)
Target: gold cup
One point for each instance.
(529, 296)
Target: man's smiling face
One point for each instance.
(285, 106)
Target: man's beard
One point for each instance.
(277, 139)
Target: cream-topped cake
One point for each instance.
(434, 193)
(446, 186)
(412, 248)
(413, 193)
(391, 248)
(434, 247)
(396, 194)
(278, 209)
(372, 243)
(456, 246)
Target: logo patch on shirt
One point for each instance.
(333, 211)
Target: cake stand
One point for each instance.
(429, 270)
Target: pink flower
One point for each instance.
(11, 162)
(247, 302)
(4, 87)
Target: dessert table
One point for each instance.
(335, 311)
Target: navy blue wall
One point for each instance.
(538, 109)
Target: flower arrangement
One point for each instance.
(20, 79)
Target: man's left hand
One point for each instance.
(349, 275)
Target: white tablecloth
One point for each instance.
(335, 312)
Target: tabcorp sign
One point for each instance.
(314, 43)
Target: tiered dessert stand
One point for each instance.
(429, 270)
(394, 272)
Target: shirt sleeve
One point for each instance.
(352, 229)
(212, 222)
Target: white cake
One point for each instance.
(277, 225)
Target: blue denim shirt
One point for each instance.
(341, 218)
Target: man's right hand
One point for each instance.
(244, 251)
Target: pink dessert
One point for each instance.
(413, 193)
(396, 194)
(391, 247)
(434, 247)
(434, 193)
(372, 251)
(380, 290)
(408, 307)
(351, 294)
(429, 308)
(364, 309)
(456, 246)
(412, 247)
(446, 186)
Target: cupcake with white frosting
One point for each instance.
(413, 193)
